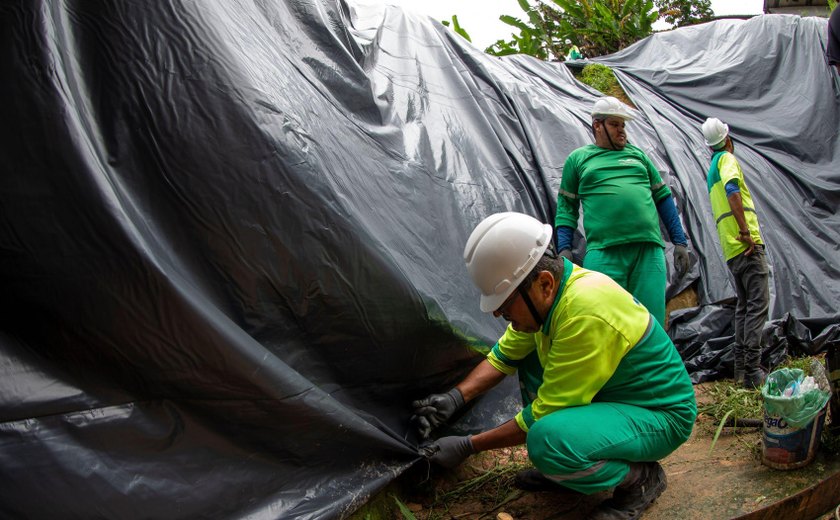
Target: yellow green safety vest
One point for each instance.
(725, 168)
(592, 326)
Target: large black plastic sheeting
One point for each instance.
(231, 234)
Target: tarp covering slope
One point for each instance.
(230, 240)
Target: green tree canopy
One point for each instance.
(597, 27)
(680, 13)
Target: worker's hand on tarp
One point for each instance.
(681, 262)
(449, 451)
(434, 410)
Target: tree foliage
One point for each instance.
(534, 38)
(680, 13)
(457, 27)
(597, 27)
(601, 26)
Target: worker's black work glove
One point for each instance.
(681, 259)
(449, 451)
(566, 253)
(434, 410)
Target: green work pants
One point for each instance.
(589, 448)
(639, 268)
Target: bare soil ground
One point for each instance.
(705, 482)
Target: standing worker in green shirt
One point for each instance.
(623, 198)
(743, 250)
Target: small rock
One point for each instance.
(504, 516)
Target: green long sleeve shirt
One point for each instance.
(617, 190)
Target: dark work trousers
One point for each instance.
(753, 290)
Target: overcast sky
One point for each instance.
(481, 17)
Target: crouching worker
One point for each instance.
(605, 392)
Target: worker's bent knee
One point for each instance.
(551, 448)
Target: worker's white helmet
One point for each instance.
(611, 107)
(568, 41)
(501, 251)
(715, 131)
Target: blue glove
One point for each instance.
(449, 451)
(434, 410)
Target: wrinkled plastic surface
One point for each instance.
(231, 236)
(798, 408)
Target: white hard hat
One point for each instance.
(568, 41)
(501, 251)
(715, 131)
(611, 107)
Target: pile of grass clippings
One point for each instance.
(493, 485)
(729, 400)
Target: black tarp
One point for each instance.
(231, 233)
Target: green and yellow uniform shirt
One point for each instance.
(723, 169)
(593, 351)
(619, 190)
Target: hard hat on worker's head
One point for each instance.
(501, 251)
(610, 107)
(715, 132)
(568, 41)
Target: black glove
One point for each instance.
(449, 451)
(566, 253)
(434, 410)
(681, 259)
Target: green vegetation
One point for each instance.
(457, 27)
(494, 486)
(597, 27)
(533, 39)
(727, 400)
(679, 13)
(601, 78)
(406, 512)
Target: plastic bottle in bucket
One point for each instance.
(794, 415)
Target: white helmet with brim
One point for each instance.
(501, 251)
(611, 107)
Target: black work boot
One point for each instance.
(754, 379)
(645, 482)
(532, 480)
(754, 375)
